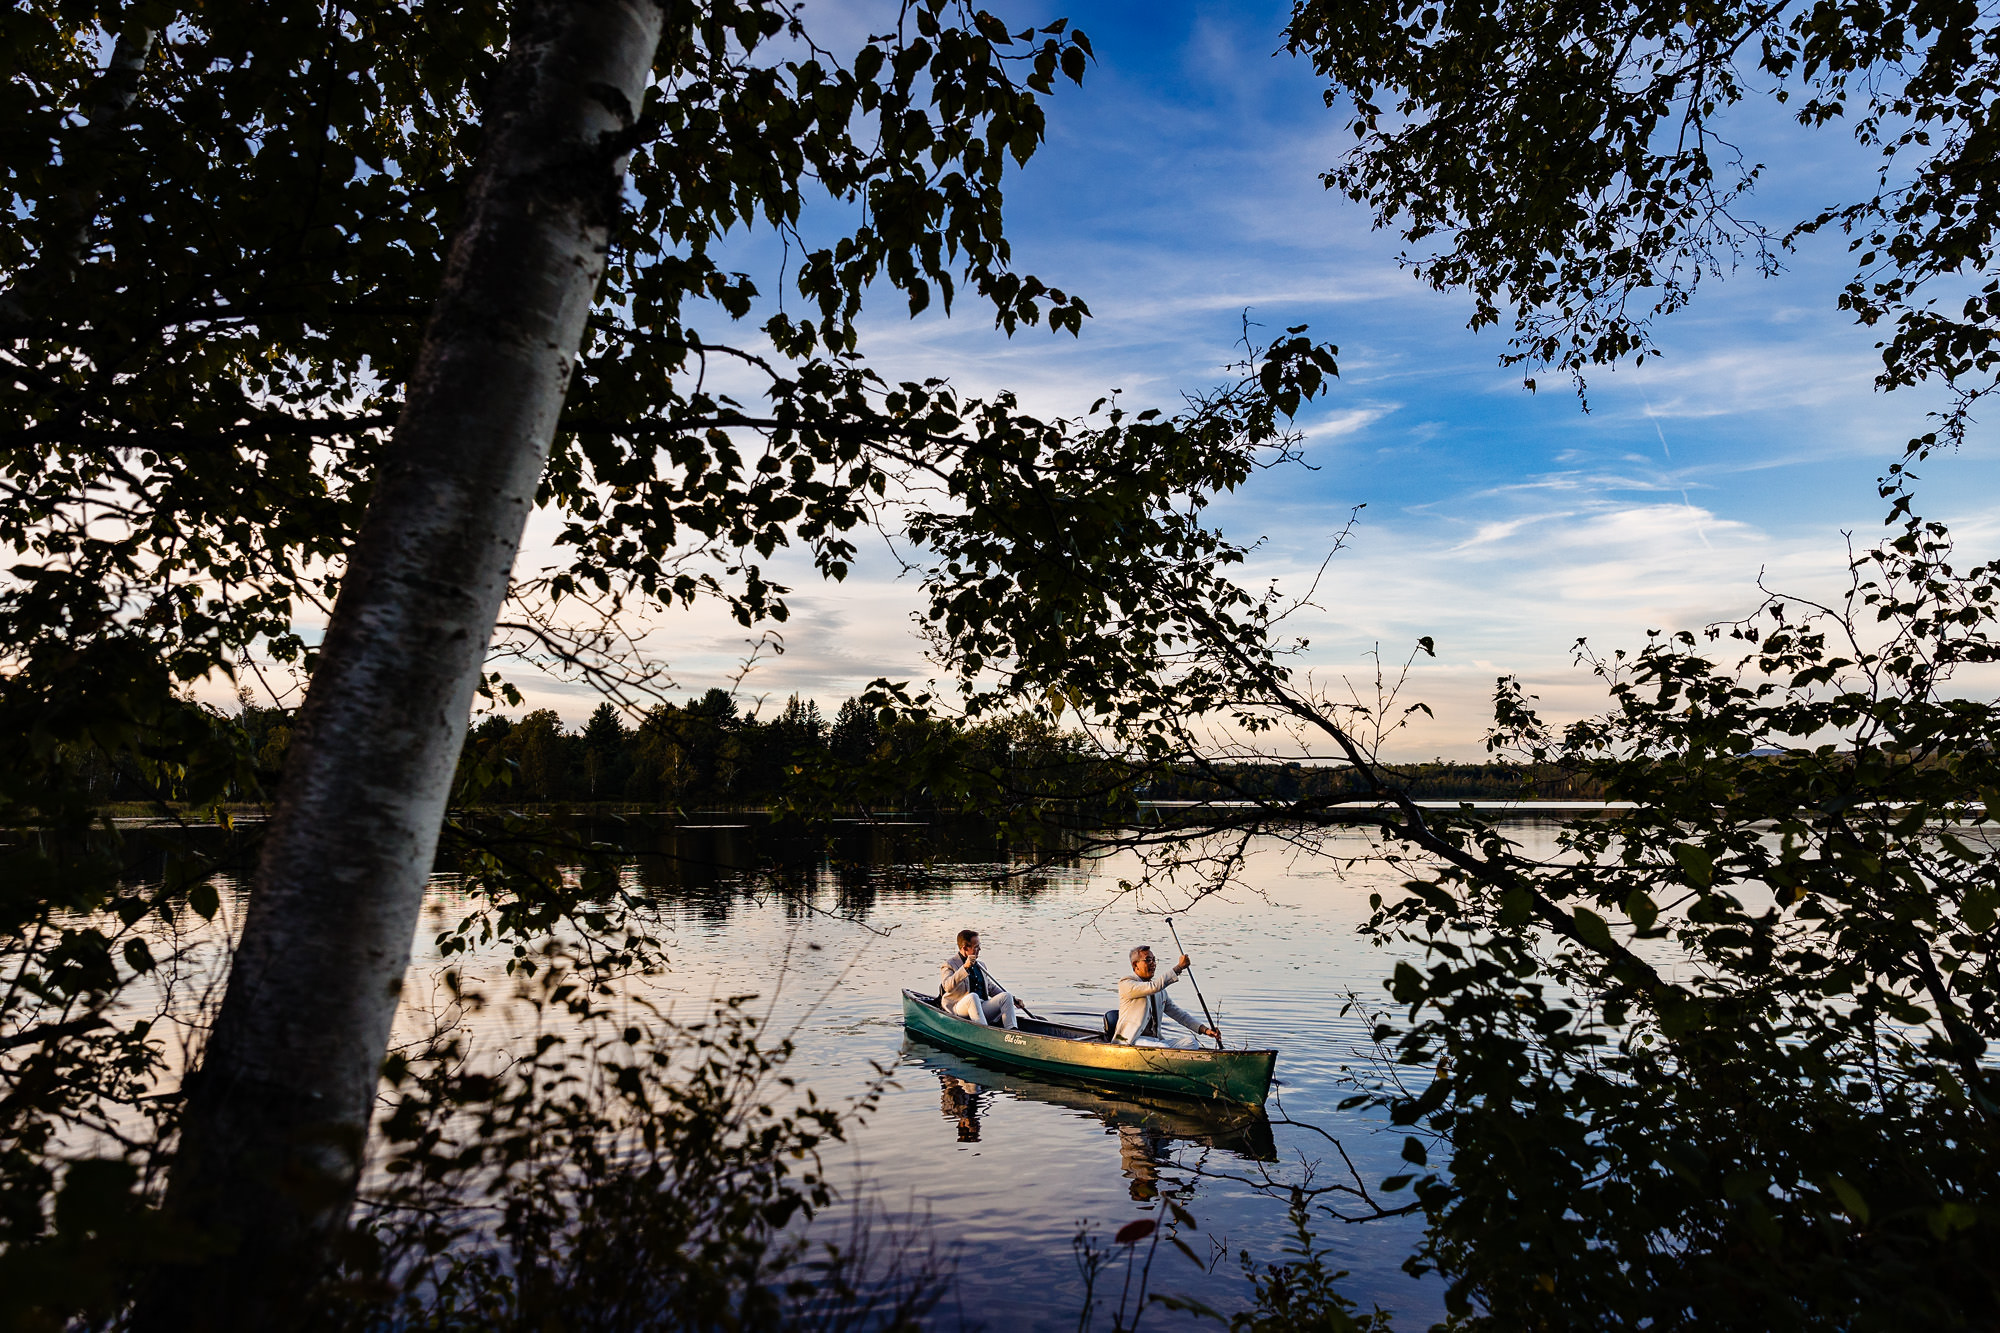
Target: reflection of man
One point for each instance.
(966, 990)
(1143, 1002)
(959, 1101)
(1142, 1151)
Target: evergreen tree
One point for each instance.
(605, 763)
(855, 733)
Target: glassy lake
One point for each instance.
(1000, 1169)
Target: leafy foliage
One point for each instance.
(1722, 1062)
(1075, 571)
(624, 1173)
(1572, 168)
(1299, 1293)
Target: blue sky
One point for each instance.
(1179, 188)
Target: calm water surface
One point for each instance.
(998, 1169)
(1001, 1168)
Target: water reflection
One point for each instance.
(693, 875)
(1016, 1159)
(855, 857)
(960, 1102)
(1149, 1131)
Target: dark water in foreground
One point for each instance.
(999, 1168)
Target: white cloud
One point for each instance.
(1341, 424)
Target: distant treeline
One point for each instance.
(1439, 779)
(707, 753)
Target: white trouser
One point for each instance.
(999, 1005)
(1179, 1041)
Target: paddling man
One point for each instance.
(965, 989)
(1143, 1001)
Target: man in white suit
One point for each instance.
(965, 989)
(1143, 1003)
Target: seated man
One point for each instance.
(965, 989)
(1142, 1002)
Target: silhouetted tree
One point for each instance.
(855, 733)
(605, 763)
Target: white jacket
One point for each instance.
(1142, 1004)
(955, 979)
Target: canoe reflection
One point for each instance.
(1148, 1130)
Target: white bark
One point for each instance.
(279, 1112)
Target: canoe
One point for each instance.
(1242, 1078)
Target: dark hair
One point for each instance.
(966, 937)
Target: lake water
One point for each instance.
(1001, 1169)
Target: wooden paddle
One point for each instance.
(1197, 986)
(1019, 1003)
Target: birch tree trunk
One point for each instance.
(278, 1114)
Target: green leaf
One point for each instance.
(203, 898)
(1951, 1216)
(1956, 849)
(138, 957)
(1695, 863)
(1642, 909)
(1850, 1198)
(1592, 929)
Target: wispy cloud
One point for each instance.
(1490, 533)
(1342, 424)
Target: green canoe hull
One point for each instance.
(1242, 1130)
(1240, 1078)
